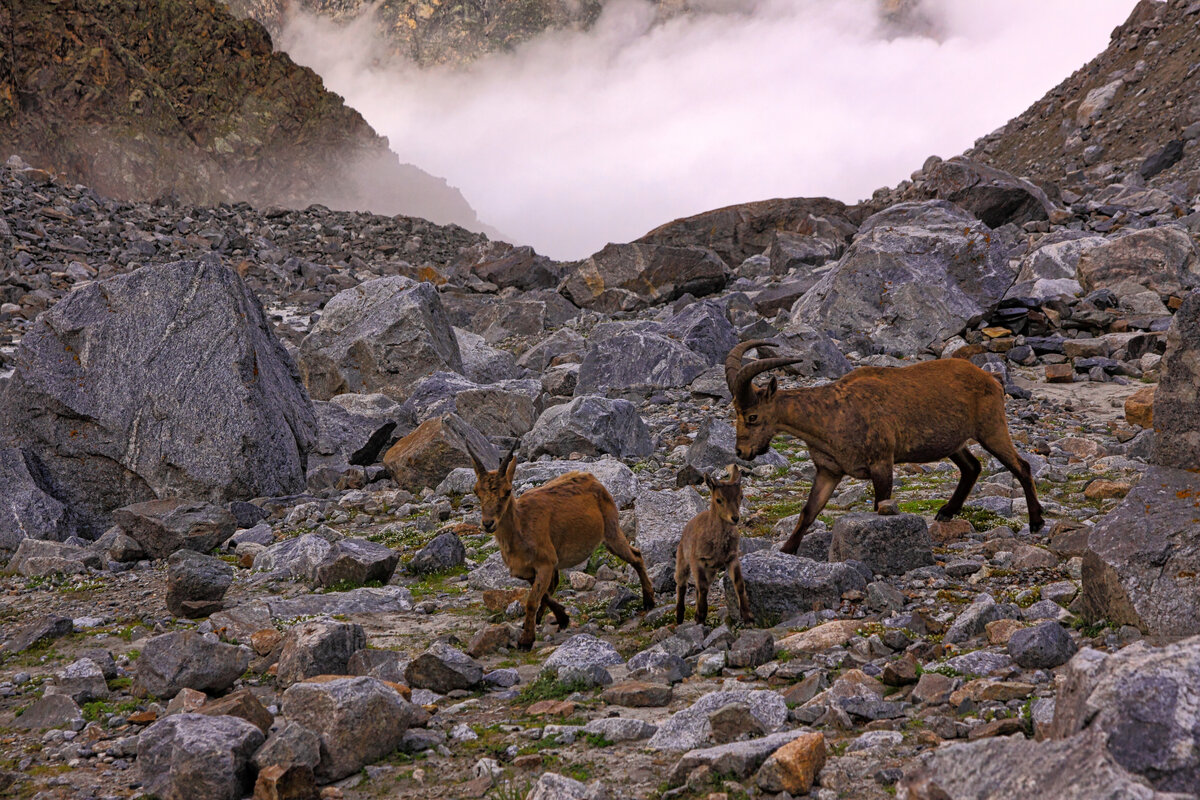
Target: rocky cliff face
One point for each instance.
(1133, 112)
(141, 98)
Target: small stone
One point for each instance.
(1043, 646)
(997, 727)
(1001, 630)
(551, 708)
(443, 669)
(1106, 490)
(733, 722)
(318, 648)
(794, 767)
(1139, 407)
(751, 649)
(1060, 373)
(637, 694)
(286, 782)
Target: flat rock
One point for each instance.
(690, 728)
(780, 585)
(888, 545)
(174, 661)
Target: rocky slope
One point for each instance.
(1130, 115)
(145, 98)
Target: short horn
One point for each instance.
(733, 362)
(479, 467)
(509, 457)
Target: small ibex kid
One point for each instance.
(709, 545)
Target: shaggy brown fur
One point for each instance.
(548, 528)
(709, 545)
(875, 417)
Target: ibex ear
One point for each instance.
(771, 388)
(735, 474)
(510, 465)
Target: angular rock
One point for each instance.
(286, 782)
(619, 479)
(739, 759)
(552, 786)
(82, 681)
(888, 545)
(637, 360)
(37, 557)
(715, 448)
(426, 456)
(1163, 259)
(638, 694)
(174, 661)
(661, 516)
(483, 363)
(624, 277)
(386, 665)
(354, 429)
(28, 511)
(590, 425)
(780, 585)
(508, 408)
(1044, 646)
(617, 729)
(318, 648)
(380, 336)
(704, 328)
(162, 527)
(1142, 561)
(915, 275)
(583, 650)
(1177, 400)
(241, 704)
(358, 720)
(185, 391)
(291, 744)
(196, 583)
(47, 628)
(443, 669)
(690, 728)
(974, 619)
(51, 711)
(364, 600)
(196, 757)
(320, 562)
(751, 649)
(794, 767)
(444, 552)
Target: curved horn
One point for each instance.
(733, 361)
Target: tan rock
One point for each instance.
(794, 767)
(551, 708)
(933, 688)
(637, 694)
(1001, 630)
(265, 641)
(834, 633)
(1060, 373)
(951, 530)
(1106, 490)
(187, 701)
(242, 704)
(290, 782)
(1139, 407)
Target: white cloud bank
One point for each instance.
(575, 140)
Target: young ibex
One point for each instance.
(874, 417)
(709, 545)
(548, 528)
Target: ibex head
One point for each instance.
(726, 499)
(754, 406)
(494, 489)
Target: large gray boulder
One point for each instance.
(318, 648)
(819, 355)
(915, 276)
(483, 363)
(590, 425)
(443, 669)
(196, 583)
(323, 563)
(379, 336)
(990, 194)
(715, 448)
(625, 277)
(27, 510)
(1143, 558)
(1162, 259)
(504, 409)
(690, 728)
(1143, 699)
(637, 360)
(173, 383)
(1177, 398)
(198, 757)
(703, 327)
(354, 429)
(889, 545)
(359, 721)
(37, 557)
(162, 527)
(780, 585)
(188, 660)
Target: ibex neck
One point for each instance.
(804, 413)
(508, 527)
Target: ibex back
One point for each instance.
(875, 417)
(548, 528)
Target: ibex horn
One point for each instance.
(738, 377)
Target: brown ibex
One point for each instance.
(875, 417)
(548, 528)
(710, 544)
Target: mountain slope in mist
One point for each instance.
(140, 98)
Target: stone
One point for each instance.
(1142, 703)
(794, 767)
(714, 449)
(888, 545)
(933, 688)
(196, 757)
(358, 720)
(241, 704)
(751, 649)
(624, 277)
(581, 651)
(508, 408)
(994, 196)
(483, 363)
(82, 681)
(46, 629)
(1142, 565)
(380, 336)
(322, 563)
(592, 426)
(638, 694)
(426, 456)
(1163, 259)
(39, 557)
(618, 729)
(286, 782)
(386, 665)
(973, 620)
(637, 360)
(704, 328)
(1059, 373)
(619, 479)
(1106, 490)
(28, 511)
(737, 759)
(690, 728)
(196, 583)
(1001, 630)
(492, 576)
(490, 639)
(174, 661)
(443, 669)
(162, 527)
(1177, 399)
(354, 429)
(444, 552)
(290, 744)
(318, 648)
(51, 711)
(127, 424)
(979, 662)
(733, 722)
(1044, 646)
(552, 786)
(781, 585)
(1139, 407)
(882, 287)
(363, 600)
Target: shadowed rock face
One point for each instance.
(141, 98)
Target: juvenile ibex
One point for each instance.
(875, 417)
(709, 545)
(548, 528)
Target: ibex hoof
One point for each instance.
(524, 645)
(942, 516)
(1036, 525)
(563, 622)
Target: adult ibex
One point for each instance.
(548, 528)
(873, 418)
(710, 543)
